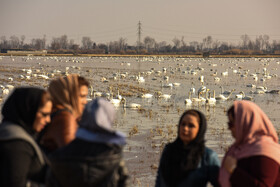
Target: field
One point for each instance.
(151, 126)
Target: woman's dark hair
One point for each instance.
(181, 159)
(82, 82)
(230, 111)
(46, 96)
(190, 112)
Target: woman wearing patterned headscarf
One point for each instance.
(187, 161)
(254, 157)
(69, 98)
(94, 158)
(25, 113)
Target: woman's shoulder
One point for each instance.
(211, 156)
(62, 116)
(16, 146)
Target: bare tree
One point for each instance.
(55, 44)
(183, 42)
(64, 41)
(4, 42)
(207, 42)
(122, 43)
(266, 42)
(245, 41)
(194, 45)
(14, 42)
(86, 42)
(22, 38)
(176, 42)
(149, 42)
(38, 43)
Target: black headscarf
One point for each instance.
(178, 160)
(21, 107)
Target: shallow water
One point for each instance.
(155, 124)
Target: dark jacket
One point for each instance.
(20, 157)
(207, 171)
(256, 171)
(84, 163)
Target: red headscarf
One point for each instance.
(255, 135)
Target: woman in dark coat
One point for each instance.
(25, 113)
(187, 161)
(94, 157)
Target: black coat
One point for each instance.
(19, 162)
(83, 163)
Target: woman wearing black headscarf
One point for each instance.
(187, 161)
(25, 113)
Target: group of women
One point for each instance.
(54, 137)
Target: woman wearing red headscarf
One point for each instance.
(254, 157)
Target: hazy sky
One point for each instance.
(108, 20)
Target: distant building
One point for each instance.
(24, 52)
(206, 55)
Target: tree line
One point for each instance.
(63, 45)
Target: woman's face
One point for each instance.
(188, 128)
(42, 117)
(231, 126)
(83, 97)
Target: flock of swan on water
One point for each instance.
(203, 95)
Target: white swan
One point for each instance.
(224, 92)
(240, 95)
(131, 105)
(211, 100)
(164, 96)
(188, 101)
(202, 89)
(146, 95)
(198, 98)
(221, 97)
(192, 89)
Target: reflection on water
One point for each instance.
(148, 128)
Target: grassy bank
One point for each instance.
(118, 55)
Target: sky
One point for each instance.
(163, 20)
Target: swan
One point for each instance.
(211, 100)
(146, 96)
(90, 91)
(224, 92)
(202, 89)
(188, 101)
(192, 89)
(225, 73)
(131, 105)
(118, 96)
(273, 92)
(221, 97)
(217, 79)
(201, 78)
(176, 84)
(203, 100)
(165, 96)
(196, 99)
(240, 95)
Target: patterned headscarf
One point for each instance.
(65, 92)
